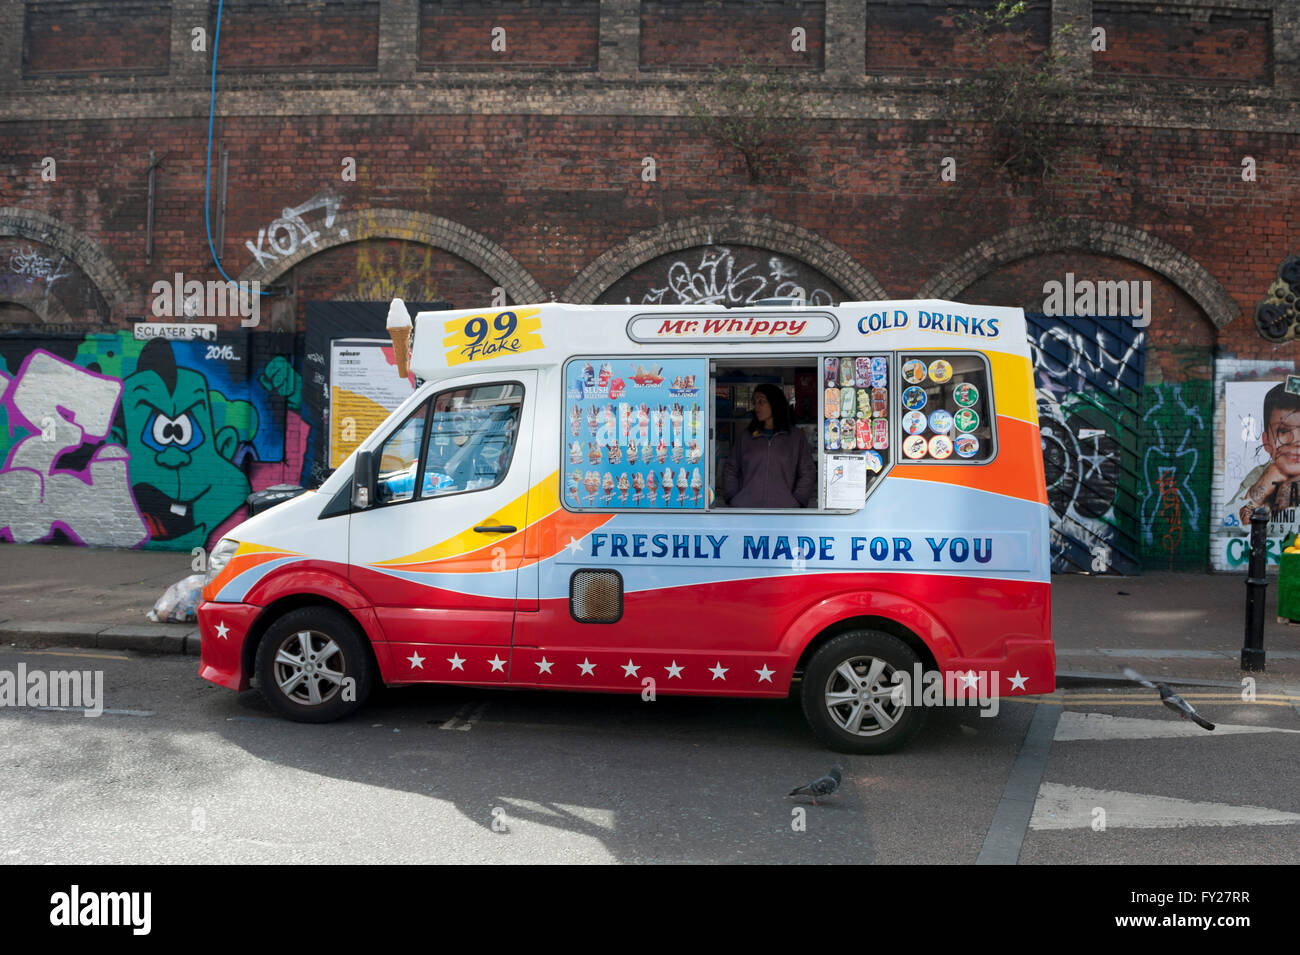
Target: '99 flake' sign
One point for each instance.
(491, 335)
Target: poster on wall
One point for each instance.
(1261, 456)
(364, 390)
(635, 433)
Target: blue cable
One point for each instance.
(207, 179)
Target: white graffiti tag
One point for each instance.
(287, 234)
(718, 281)
(26, 262)
(65, 405)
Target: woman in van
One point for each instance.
(771, 464)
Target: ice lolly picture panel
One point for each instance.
(953, 394)
(636, 433)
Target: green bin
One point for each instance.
(1288, 587)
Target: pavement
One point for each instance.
(1183, 628)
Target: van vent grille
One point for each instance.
(596, 596)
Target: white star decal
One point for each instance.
(765, 674)
(573, 547)
(719, 671)
(417, 661)
(497, 663)
(457, 663)
(1017, 681)
(674, 670)
(970, 679)
(629, 669)
(222, 630)
(587, 667)
(544, 666)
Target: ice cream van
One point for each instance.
(546, 510)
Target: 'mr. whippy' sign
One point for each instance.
(733, 326)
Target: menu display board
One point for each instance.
(636, 433)
(945, 405)
(855, 419)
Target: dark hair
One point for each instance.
(1279, 399)
(775, 396)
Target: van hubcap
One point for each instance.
(309, 668)
(862, 697)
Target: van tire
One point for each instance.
(337, 652)
(825, 679)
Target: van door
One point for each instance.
(438, 555)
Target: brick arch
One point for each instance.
(771, 234)
(1088, 235)
(84, 252)
(362, 224)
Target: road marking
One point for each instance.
(1077, 726)
(1011, 818)
(64, 653)
(1073, 807)
(82, 709)
(465, 716)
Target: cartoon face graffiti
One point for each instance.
(182, 476)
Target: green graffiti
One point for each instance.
(1177, 457)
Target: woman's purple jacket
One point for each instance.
(769, 472)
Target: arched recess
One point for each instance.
(772, 234)
(358, 226)
(1089, 235)
(83, 251)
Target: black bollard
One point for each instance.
(1252, 652)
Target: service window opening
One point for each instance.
(735, 384)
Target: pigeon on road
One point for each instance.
(822, 786)
(1171, 699)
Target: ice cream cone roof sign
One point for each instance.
(399, 330)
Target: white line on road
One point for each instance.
(1077, 726)
(82, 709)
(1074, 807)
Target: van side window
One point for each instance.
(471, 438)
(399, 457)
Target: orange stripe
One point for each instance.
(1017, 471)
(236, 566)
(534, 543)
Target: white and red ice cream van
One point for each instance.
(546, 510)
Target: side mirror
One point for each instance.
(363, 481)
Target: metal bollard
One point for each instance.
(1252, 651)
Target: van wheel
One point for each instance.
(851, 694)
(305, 662)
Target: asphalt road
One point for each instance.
(177, 770)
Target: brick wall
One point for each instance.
(271, 35)
(108, 37)
(935, 39)
(708, 34)
(1195, 44)
(551, 34)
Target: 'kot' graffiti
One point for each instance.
(116, 442)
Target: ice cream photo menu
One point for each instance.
(635, 433)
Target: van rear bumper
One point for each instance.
(222, 629)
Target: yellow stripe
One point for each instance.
(541, 499)
(248, 547)
(1013, 386)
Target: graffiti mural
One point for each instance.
(722, 275)
(1088, 373)
(1177, 436)
(1277, 318)
(63, 407)
(112, 441)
